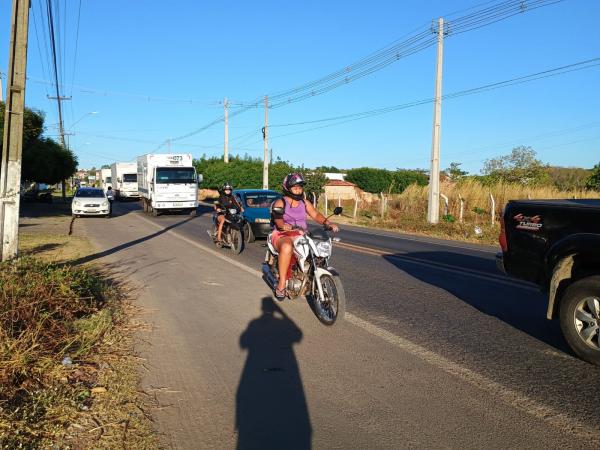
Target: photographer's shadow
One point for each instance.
(271, 407)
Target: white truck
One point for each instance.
(167, 182)
(124, 180)
(106, 177)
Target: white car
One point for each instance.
(90, 202)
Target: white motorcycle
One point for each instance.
(310, 274)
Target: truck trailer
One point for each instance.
(167, 182)
(106, 177)
(124, 180)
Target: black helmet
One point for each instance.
(291, 180)
(226, 186)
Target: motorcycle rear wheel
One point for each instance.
(334, 304)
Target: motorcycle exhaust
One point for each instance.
(268, 276)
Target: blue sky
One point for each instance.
(154, 70)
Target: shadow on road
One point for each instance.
(271, 407)
(522, 309)
(120, 247)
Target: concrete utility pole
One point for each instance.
(1, 91)
(12, 147)
(433, 208)
(226, 147)
(266, 142)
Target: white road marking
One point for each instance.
(560, 421)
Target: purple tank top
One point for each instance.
(295, 216)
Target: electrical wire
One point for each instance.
(388, 55)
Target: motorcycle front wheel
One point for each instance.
(237, 241)
(333, 305)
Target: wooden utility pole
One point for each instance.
(12, 144)
(433, 208)
(266, 142)
(226, 146)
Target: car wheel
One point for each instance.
(580, 318)
(248, 233)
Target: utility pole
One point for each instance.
(226, 147)
(12, 148)
(433, 208)
(1, 91)
(265, 131)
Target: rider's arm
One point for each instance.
(318, 217)
(278, 218)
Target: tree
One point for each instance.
(593, 182)
(370, 179)
(328, 169)
(521, 166)
(44, 160)
(315, 180)
(454, 172)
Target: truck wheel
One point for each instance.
(580, 318)
(155, 212)
(248, 234)
(193, 212)
(144, 205)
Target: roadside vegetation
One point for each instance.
(68, 375)
(397, 199)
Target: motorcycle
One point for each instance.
(309, 273)
(232, 233)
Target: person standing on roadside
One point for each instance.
(110, 195)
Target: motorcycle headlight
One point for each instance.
(232, 211)
(324, 248)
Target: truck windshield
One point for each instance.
(129, 177)
(179, 175)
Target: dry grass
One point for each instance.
(48, 311)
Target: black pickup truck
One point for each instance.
(556, 245)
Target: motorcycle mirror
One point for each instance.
(279, 211)
(338, 210)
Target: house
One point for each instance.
(341, 189)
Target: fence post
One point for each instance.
(445, 203)
(326, 213)
(493, 211)
(339, 201)
(355, 207)
(382, 206)
(462, 208)
(314, 196)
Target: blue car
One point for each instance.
(257, 211)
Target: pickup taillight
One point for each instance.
(502, 237)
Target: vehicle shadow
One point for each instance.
(38, 209)
(520, 308)
(129, 244)
(271, 409)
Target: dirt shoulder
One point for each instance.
(70, 377)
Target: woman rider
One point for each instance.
(295, 211)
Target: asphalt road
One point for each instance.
(437, 310)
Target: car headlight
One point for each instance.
(232, 211)
(76, 203)
(324, 248)
(259, 220)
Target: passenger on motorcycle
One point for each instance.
(291, 224)
(226, 201)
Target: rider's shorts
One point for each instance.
(276, 234)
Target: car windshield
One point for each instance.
(129, 177)
(90, 193)
(260, 199)
(166, 175)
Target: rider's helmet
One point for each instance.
(291, 180)
(226, 187)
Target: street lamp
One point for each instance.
(83, 117)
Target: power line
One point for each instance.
(76, 46)
(386, 56)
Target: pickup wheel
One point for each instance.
(580, 318)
